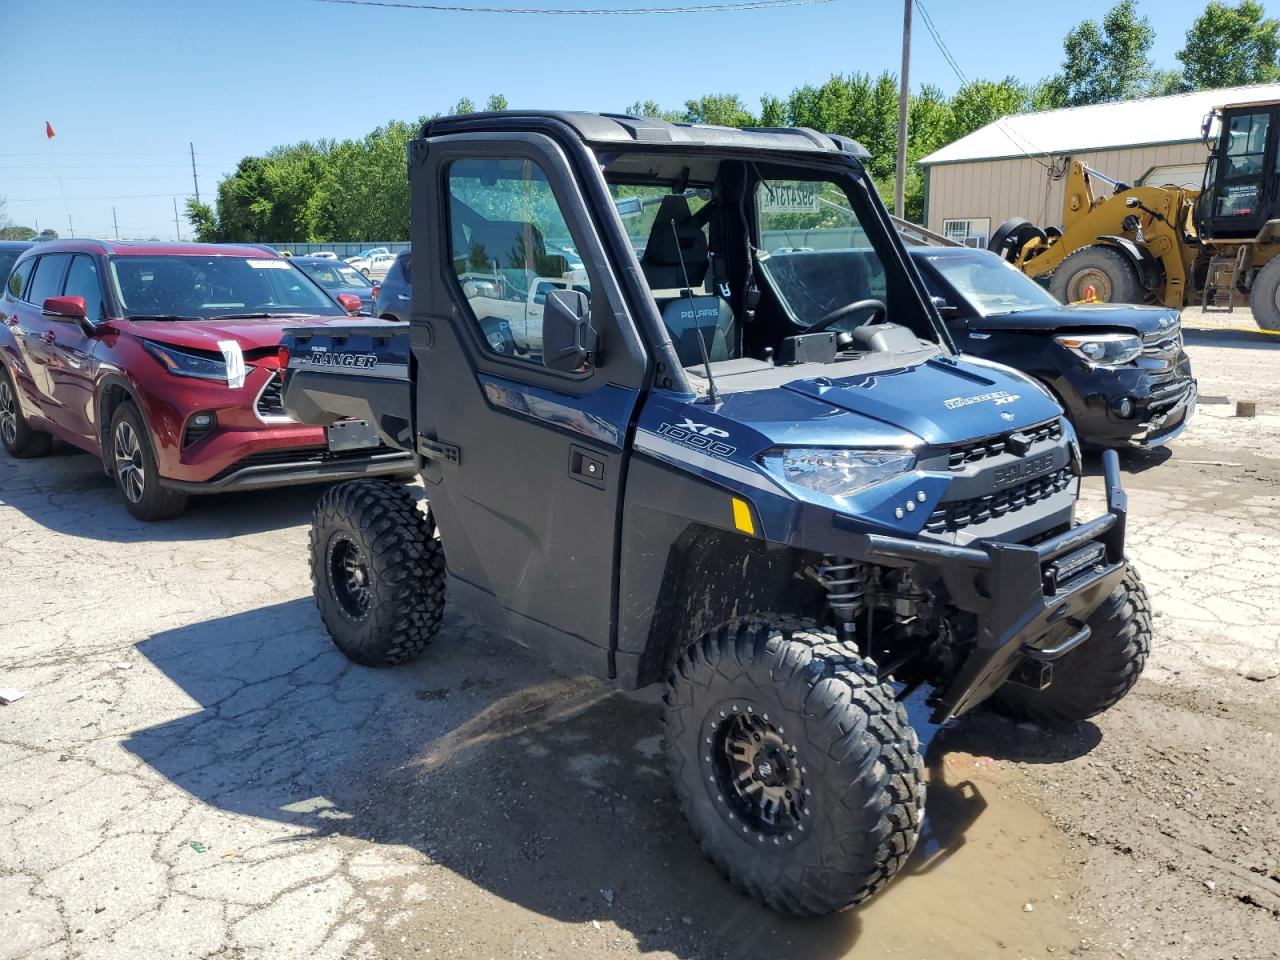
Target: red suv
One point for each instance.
(163, 359)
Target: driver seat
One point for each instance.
(687, 311)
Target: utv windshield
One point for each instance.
(743, 255)
(177, 287)
(990, 285)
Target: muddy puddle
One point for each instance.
(983, 858)
(562, 825)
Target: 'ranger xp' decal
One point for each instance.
(998, 398)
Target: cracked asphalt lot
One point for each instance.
(196, 772)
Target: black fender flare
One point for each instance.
(1150, 271)
(103, 423)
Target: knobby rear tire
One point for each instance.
(379, 524)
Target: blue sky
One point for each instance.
(127, 84)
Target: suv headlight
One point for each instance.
(1102, 349)
(183, 364)
(835, 472)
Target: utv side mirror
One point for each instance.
(65, 308)
(567, 336)
(945, 310)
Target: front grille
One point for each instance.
(270, 403)
(958, 514)
(964, 454)
(1162, 345)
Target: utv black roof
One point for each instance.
(612, 129)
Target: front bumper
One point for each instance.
(282, 469)
(1024, 612)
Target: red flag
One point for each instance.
(48, 130)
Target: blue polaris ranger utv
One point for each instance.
(685, 414)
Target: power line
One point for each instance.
(743, 7)
(109, 196)
(1012, 135)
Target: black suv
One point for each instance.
(1119, 371)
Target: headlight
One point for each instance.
(183, 364)
(833, 472)
(1103, 349)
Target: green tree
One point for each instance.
(720, 109)
(980, 102)
(47, 234)
(496, 102)
(1107, 61)
(203, 220)
(16, 232)
(1229, 46)
(465, 105)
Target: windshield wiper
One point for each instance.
(160, 316)
(260, 315)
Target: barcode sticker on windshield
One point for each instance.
(269, 264)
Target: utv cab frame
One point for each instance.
(685, 414)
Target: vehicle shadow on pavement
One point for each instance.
(67, 492)
(544, 791)
(1246, 339)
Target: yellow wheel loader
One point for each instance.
(1170, 245)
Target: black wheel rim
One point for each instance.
(128, 455)
(349, 577)
(755, 773)
(8, 414)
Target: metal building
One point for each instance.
(1014, 167)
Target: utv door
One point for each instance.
(525, 466)
(1240, 193)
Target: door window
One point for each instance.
(19, 278)
(511, 246)
(83, 281)
(1244, 153)
(48, 279)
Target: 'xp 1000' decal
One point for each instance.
(700, 436)
(999, 398)
(361, 361)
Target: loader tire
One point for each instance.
(1107, 270)
(795, 767)
(378, 572)
(1012, 235)
(1264, 297)
(1097, 674)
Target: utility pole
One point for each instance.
(71, 226)
(115, 223)
(194, 181)
(900, 173)
(176, 229)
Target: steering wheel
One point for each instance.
(848, 310)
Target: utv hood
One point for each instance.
(942, 401)
(1082, 316)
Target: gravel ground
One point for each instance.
(195, 771)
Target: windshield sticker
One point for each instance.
(999, 398)
(269, 264)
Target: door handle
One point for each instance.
(49, 337)
(586, 467)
